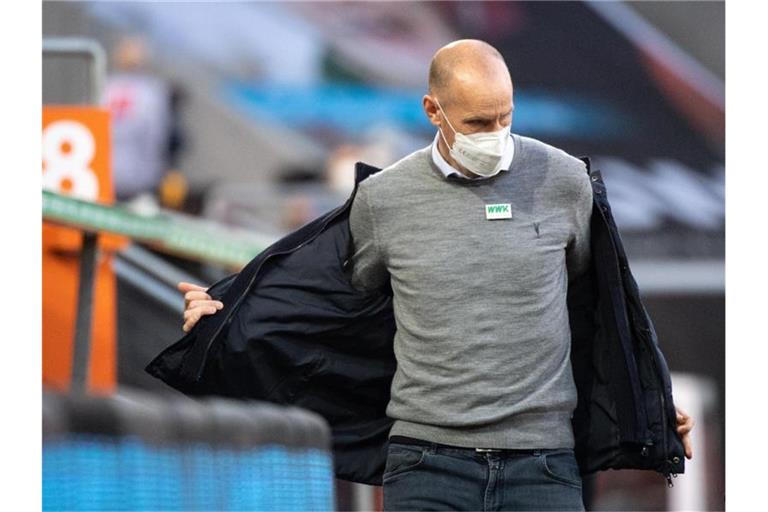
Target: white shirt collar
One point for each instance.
(448, 170)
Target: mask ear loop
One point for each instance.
(449, 124)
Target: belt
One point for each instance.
(422, 442)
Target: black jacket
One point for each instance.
(293, 330)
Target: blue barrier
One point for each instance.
(150, 453)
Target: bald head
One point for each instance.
(465, 62)
(470, 91)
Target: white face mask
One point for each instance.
(481, 152)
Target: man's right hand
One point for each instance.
(196, 304)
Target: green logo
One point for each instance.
(497, 208)
(498, 211)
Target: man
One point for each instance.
(478, 236)
(139, 105)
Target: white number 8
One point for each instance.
(68, 150)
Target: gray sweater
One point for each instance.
(483, 339)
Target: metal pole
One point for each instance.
(82, 349)
(82, 343)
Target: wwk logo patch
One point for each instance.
(498, 211)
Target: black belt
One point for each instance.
(422, 442)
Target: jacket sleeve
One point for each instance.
(578, 251)
(369, 271)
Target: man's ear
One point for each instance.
(431, 110)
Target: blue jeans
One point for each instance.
(437, 477)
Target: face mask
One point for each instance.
(481, 152)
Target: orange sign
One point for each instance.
(76, 162)
(76, 152)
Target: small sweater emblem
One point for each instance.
(498, 211)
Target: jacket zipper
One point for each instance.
(663, 419)
(199, 371)
(648, 341)
(652, 352)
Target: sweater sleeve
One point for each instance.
(578, 250)
(369, 271)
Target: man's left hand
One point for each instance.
(684, 425)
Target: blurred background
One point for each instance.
(231, 124)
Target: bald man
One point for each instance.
(478, 235)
